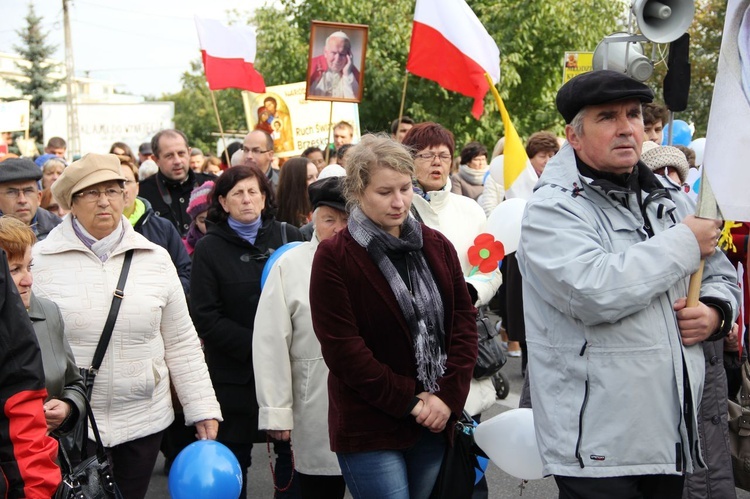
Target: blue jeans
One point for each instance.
(395, 474)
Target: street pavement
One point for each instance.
(500, 484)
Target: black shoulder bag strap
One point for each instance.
(284, 238)
(109, 326)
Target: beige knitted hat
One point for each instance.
(655, 157)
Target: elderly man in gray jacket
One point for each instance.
(616, 369)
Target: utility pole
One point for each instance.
(74, 141)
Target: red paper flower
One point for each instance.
(486, 253)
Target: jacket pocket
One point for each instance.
(134, 381)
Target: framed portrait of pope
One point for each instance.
(336, 61)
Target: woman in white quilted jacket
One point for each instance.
(153, 340)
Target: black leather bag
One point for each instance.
(458, 470)
(490, 357)
(93, 477)
(75, 441)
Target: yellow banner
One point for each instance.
(294, 122)
(577, 63)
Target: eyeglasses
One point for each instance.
(255, 150)
(430, 156)
(14, 193)
(92, 195)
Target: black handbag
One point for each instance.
(490, 356)
(457, 472)
(76, 440)
(93, 477)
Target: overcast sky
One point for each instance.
(142, 45)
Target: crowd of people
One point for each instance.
(353, 355)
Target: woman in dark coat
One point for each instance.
(399, 337)
(225, 282)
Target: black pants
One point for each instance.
(177, 436)
(132, 463)
(321, 486)
(622, 487)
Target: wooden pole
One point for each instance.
(403, 99)
(221, 129)
(330, 131)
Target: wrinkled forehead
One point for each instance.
(624, 105)
(336, 44)
(107, 184)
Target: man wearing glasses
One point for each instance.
(20, 196)
(169, 190)
(257, 150)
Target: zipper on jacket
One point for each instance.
(583, 348)
(580, 424)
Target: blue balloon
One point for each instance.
(205, 469)
(682, 136)
(697, 186)
(272, 259)
(481, 460)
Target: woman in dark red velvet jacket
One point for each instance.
(397, 329)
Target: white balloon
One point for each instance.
(510, 442)
(505, 223)
(698, 145)
(496, 169)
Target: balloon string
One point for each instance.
(273, 472)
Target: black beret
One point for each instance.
(328, 192)
(14, 169)
(599, 87)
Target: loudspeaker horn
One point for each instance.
(663, 21)
(623, 56)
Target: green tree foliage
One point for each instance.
(705, 43)
(194, 112)
(532, 36)
(37, 85)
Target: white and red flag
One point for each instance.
(228, 56)
(450, 46)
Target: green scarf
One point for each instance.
(138, 212)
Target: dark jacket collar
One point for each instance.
(173, 184)
(641, 178)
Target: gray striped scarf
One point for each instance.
(423, 306)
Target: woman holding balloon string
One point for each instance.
(228, 263)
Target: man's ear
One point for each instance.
(572, 137)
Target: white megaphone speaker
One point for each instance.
(663, 21)
(623, 56)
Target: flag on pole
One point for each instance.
(729, 121)
(450, 46)
(228, 54)
(519, 176)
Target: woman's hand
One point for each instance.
(55, 412)
(434, 413)
(207, 429)
(280, 435)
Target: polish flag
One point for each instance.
(449, 45)
(228, 54)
